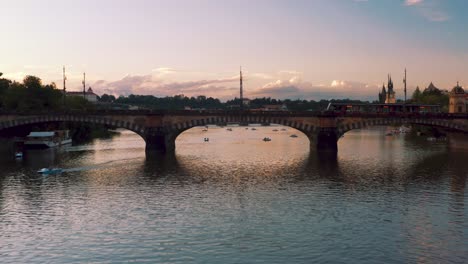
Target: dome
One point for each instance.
(458, 90)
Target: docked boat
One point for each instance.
(404, 129)
(47, 139)
(50, 171)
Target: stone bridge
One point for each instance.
(160, 129)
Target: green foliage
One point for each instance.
(171, 103)
(77, 103)
(4, 84)
(32, 82)
(416, 95)
(435, 97)
(32, 95)
(107, 98)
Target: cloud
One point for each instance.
(155, 85)
(295, 88)
(429, 9)
(413, 2)
(290, 87)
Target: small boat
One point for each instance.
(206, 139)
(19, 155)
(293, 136)
(229, 129)
(47, 139)
(204, 130)
(253, 128)
(404, 129)
(50, 171)
(275, 130)
(266, 139)
(283, 129)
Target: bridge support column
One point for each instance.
(326, 139)
(160, 141)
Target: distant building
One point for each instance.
(432, 89)
(387, 96)
(89, 95)
(383, 95)
(458, 100)
(275, 107)
(390, 98)
(245, 101)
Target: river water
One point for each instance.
(238, 199)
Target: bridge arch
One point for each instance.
(119, 123)
(442, 123)
(174, 130)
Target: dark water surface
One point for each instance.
(237, 199)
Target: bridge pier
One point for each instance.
(159, 142)
(325, 140)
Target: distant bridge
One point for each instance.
(160, 129)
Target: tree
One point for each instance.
(4, 85)
(416, 95)
(32, 82)
(107, 98)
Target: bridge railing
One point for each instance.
(330, 114)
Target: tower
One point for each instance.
(383, 95)
(390, 98)
(404, 82)
(84, 85)
(241, 91)
(457, 100)
(64, 87)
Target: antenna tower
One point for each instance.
(241, 91)
(84, 85)
(404, 81)
(64, 86)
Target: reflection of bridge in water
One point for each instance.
(160, 129)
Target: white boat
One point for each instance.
(19, 155)
(47, 139)
(50, 171)
(404, 129)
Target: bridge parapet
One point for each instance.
(159, 129)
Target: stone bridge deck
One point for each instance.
(159, 129)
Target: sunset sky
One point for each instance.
(316, 49)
